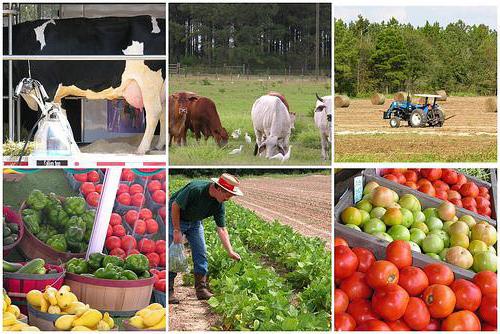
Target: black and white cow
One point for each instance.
(141, 83)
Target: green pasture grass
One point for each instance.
(234, 98)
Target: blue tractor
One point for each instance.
(427, 113)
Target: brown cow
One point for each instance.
(283, 99)
(203, 119)
(178, 107)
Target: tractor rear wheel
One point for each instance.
(395, 122)
(440, 118)
(417, 118)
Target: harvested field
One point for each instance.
(362, 135)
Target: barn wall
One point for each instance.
(99, 10)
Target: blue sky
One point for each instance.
(417, 15)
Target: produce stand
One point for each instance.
(117, 280)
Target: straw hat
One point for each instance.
(229, 183)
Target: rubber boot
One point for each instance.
(201, 286)
(171, 298)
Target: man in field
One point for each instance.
(188, 207)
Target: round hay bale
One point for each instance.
(342, 101)
(400, 96)
(491, 104)
(443, 95)
(377, 99)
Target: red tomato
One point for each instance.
(412, 185)
(133, 251)
(93, 199)
(145, 213)
(162, 274)
(453, 194)
(461, 179)
(140, 226)
(488, 309)
(154, 259)
(122, 188)
(468, 295)
(456, 202)
(86, 188)
(138, 199)
(361, 310)
(124, 199)
(483, 191)
(340, 241)
(381, 274)
(486, 281)
(373, 325)
(341, 301)
(469, 189)
(440, 300)
(365, 258)
(461, 321)
(115, 219)
(344, 322)
(136, 189)
(160, 176)
(423, 181)
(159, 197)
(390, 302)
(434, 325)
(413, 280)
(151, 226)
(127, 175)
(131, 216)
(146, 246)
(417, 315)
(93, 176)
(398, 325)
(355, 287)
(98, 188)
(119, 231)
(80, 177)
(160, 246)
(391, 177)
(485, 327)
(163, 212)
(128, 242)
(161, 284)
(449, 176)
(469, 202)
(112, 243)
(431, 174)
(399, 253)
(109, 232)
(427, 189)
(482, 202)
(163, 257)
(401, 178)
(154, 185)
(440, 186)
(484, 211)
(346, 262)
(411, 176)
(118, 252)
(441, 194)
(438, 273)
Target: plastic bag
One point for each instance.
(177, 261)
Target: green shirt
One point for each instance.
(196, 203)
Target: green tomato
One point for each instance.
(354, 227)
(485, 261)
(399, 232)
(433, 255)
(418, 216)
(434, 223)
(374, 225)
(446, 225)
(442, 254)
(417, 235)
(377, 212)
(365, 216)
(430, 212)
(383, 236)
(492, 249)
(414, 247)
(351, 215)
(432, 244)
(421, 226)
(407, 217)
(477, 246)
(364, 205)
(443, 235)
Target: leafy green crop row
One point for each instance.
(251, 296)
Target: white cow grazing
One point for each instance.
(272, 126)
(323, 121)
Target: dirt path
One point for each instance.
(190, 314)
(302, 202)
(469, 135)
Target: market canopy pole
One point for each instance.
(104, 210)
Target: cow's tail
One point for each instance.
(255, 149)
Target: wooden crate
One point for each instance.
(378, 246)
(492, 188)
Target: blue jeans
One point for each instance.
(195, 234)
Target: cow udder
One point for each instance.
(132, 94)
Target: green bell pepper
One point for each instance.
(43, 234)
(128, 275)
(32, 223)
(88, 235)
(113, 260)
(57, 217)
(137, 263)
(76, 246)
(77, 266)
(52, 201)
(89, 217)
(58, 242)
(74, 206)
(74, 233)
(95, 261)
(32, 212)
(145, 274)
(37, 200)
(109, 272)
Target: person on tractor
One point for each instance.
(196, 201)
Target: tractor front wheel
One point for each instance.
(395, 122)
(417, 118)
(440, 118)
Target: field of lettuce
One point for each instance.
(283, 281)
